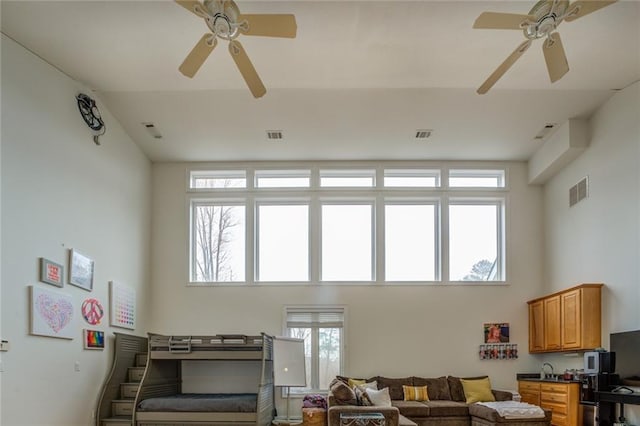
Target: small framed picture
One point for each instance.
(93, 339)
(51, 272)
(496, 332)
(80, 270)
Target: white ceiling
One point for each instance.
(356, 83)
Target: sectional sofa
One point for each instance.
(446, 405)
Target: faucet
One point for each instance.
(543, 372)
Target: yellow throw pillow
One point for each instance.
(355, 382)
(415, 393)
(478, 390)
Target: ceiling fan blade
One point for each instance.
(555, 57)
(580, 8)
(502, 21)
(246, 69)
(198, 55)
(504, 67)
(192, 6)
(269, 25)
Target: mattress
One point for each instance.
(201, 402)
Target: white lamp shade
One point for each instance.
(289, 362)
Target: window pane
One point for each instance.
(218, 179)
(476, 178)
(283, 243)
(282, 178)
(411, 178)
(346, 242)
(473, 242)
(218, 246)
(304, 334)
(329, 355)
(347, 178)
(410, 243)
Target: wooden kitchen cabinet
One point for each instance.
(563, 399)
(569, 320)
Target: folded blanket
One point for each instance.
(515, 409)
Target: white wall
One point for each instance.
(61, 191)
(391, 330)
(598, 240)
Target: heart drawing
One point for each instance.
(56, 312)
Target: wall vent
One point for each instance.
(423, 133)
(545, 131)
(274, 134)
(579, 191)
(152, 130)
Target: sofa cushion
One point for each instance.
(411, 408)
(438, 388)
(342, 393)
(478, 390)
(415, 393)
(394, 385)
(455, 387)
(447, 408)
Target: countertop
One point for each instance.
(535, 377)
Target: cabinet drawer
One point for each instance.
(530, 397)
(558, 398)
(555, 407)
(558, 419)
(552, 387)
(528, 386)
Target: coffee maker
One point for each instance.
(599, 375)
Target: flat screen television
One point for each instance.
(626, 345)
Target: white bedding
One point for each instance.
(515, 409)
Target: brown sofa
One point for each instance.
(446, 406)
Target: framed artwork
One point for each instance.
(51, 272)
(52, 314)
(123, 305)
(93, 339)
(80, 270)
(496, 332)
(92, 311)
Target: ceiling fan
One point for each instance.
(226, 22)
(542, 21)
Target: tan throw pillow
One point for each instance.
(477, 390)
(415, 393)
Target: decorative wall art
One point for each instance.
(123, 305)
(80, 270)
(499, 351)
(52, 314)
(93, 339)
(51, 272)
(496, 333)
(92, 311)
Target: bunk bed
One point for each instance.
(160, 399)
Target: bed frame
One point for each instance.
(162, 377)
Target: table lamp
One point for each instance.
(289, 364)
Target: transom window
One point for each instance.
(375, 225)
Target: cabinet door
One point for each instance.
(536, 326)
(571, 315)
(552, 339)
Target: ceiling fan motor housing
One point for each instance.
(222, 18)
(549, 14)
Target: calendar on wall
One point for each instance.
(123, 305)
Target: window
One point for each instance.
(322, 331)
(475, 241)
(218, 250)
(410, 242)
(347, 242)
(347, 178)
(476, 178)
(360, 223)
(283, 242)
(208, 179)
(411, 178)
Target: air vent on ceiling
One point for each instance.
(152, 130)
(423, 133)
(579, 191)
(275, 135)
(546, 130)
